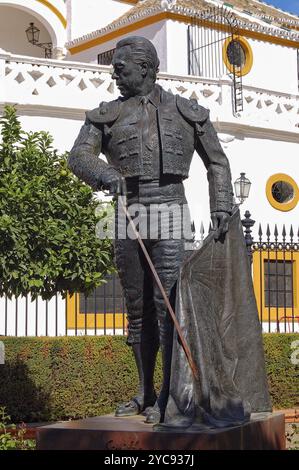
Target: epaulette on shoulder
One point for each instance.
(191, 110)
(106, 112)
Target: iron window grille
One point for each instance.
(278, 277)
(107, 298)
(105, 58)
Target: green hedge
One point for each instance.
(283, 376)
(47, 379)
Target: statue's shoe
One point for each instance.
(153, 415)
(131, 408)
(135, 406)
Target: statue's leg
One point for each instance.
(167, 256)
(142, 322)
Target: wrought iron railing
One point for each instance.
(214, 49)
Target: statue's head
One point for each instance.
(135, 64)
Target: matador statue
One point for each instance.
(148, 136)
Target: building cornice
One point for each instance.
(158, 13)
(132, 2)
(246, 130)
(59, 112)
(232, 128)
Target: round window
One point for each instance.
(236, 53)
(282, 192)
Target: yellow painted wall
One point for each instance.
(80, 321)
(271, 313)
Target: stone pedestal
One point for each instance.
(264, 431)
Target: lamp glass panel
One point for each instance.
(32, 34)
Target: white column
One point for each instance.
(59, 53)
(3, 57)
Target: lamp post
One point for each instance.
(242, 188)
(32, 34)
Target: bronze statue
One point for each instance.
(148, 136)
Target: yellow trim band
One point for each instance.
(287, 206)
(183, 19)
(245, 69)
(55, 11)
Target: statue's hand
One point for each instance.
(112, 181)
(220, 224)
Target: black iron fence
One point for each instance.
(275, 269)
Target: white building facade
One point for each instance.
(259, 133)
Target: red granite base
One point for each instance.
(264, 431)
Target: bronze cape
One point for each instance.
(216, 309)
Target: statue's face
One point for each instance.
(129, 76)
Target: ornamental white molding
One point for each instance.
(66, 89)
(58, 112)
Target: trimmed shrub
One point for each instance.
(283, 374)
(48, 379)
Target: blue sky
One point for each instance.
(288, 5)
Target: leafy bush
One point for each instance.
(11, 437)
(48, 219)
(48, 379)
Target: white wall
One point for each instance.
(155, 33)
(64, 131)
(274, 67)
(13, 23)
(89, 15)
(259, 159)
(177, 48)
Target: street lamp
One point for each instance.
(32, 34)
(242, 188)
